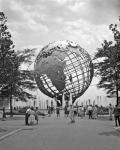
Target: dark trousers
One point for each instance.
(26, 118)
(90, 114)
(117, 120)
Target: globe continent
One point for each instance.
(63, 67)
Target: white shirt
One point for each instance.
(89, 107)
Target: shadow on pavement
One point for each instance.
(109, 133)
(13, 118)
(104, 118)
(3, 130)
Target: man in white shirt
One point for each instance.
(27, 114)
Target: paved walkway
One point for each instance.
(59, 134)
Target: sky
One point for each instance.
(35, 23)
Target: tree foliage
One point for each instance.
(25, 82)
(7, 54)
(108, 66)
(15, 81)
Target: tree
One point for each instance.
(14, 80)
(25, 79)
(7, 55)
(108, 66)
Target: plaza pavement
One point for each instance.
(59, 134)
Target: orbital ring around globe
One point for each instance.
(63, 67)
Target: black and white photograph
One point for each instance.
(59, 74)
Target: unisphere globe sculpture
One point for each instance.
(63, 67)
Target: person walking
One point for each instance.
(110, 111)
(3, 114)
(27, 115)
(32, 116)
(65, 111)
(49, 111)
(95, 112)
(58, 111)
(36, 115)
(90, 111)
(72, 114)
(116, 113)
(81, 111)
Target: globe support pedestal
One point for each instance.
(67, 102)
(70, 100)
(63, 100)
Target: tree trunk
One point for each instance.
(11, 109)
(117, 96)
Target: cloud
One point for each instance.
(105, 5)
(23, 17)
(0, 4)
(42, 21)
(89, 36)
(96, 11)
(24, 24)
(77, 6)
(104, 11)
(36, 47)
(61, 2)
